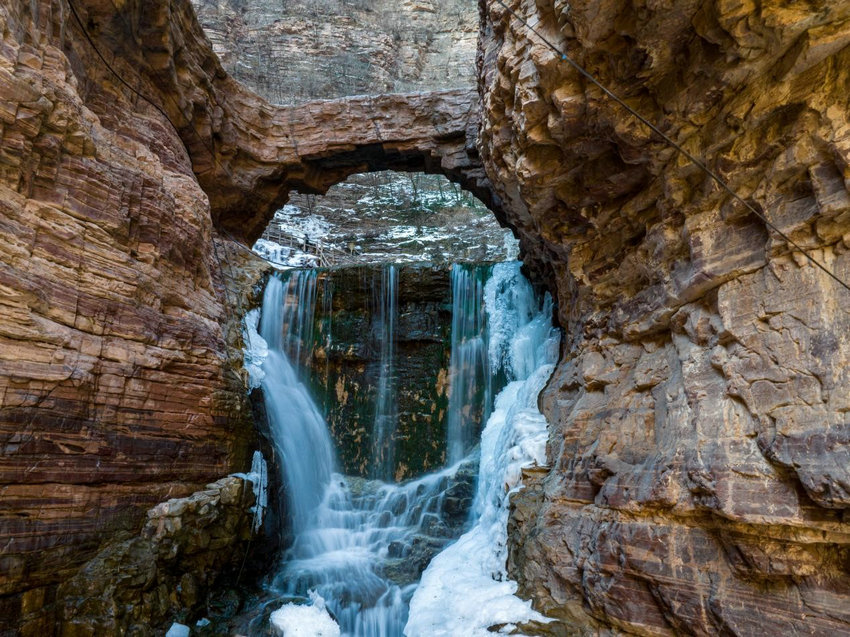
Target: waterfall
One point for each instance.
(297, 428)
(465, 589)
(360, 545)
(469, 373)
(386, 409)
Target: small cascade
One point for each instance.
(368, 544)
(385, 303)
(470, 378)
(297, 428)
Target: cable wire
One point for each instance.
(697, 162)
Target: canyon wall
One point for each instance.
(127, 155)
(115, 384)
(300, 50)
(699, 468)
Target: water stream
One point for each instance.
(470, 377)
(385, 302)
(361, 544)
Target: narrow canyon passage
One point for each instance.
(360, 466)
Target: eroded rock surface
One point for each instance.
(115, 385)
(139, 585)
(699, 479)
(125, 152)
(302, 50)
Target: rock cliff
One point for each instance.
(296, 51)
(698, 478)
(115, 386)
(125, 153)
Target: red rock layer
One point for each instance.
(117, 390)
(113, 385)
(699, 476)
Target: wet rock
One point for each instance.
(344, 365)
(698, 475)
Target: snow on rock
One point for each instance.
(178, 630)
(284, 256)
(255, 351)
(299, 620)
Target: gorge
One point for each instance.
(696, 472)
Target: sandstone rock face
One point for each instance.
(699, 480)
(114, 393)
(117, 384)
(298, 51)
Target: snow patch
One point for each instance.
(298, 620)
(178, 630)
(284, 256)
(255, 351)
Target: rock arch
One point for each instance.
(248, 154)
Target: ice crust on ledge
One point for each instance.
(255, 351)
(259, 478)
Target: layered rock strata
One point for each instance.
(304, 50)
(699, 480)
(125, 151)
(114, 389)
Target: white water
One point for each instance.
(465, 589)
(297, 428)
(354, 538)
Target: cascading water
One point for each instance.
(469, 375)
(386, 412)
(465, 590)
(361, 544)
(297, 428)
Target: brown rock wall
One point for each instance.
(113, 389)
(119, 384)
(698, 478)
